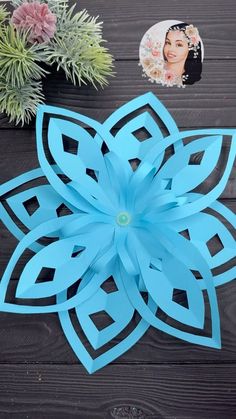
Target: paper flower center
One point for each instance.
(123, 218)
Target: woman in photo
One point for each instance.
(182, 53)
(171, 54)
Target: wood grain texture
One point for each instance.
(208, 103)
(10, 242)
(125, 23)
(161, 376)
(39, 339)
(19, 154)
(138, 391)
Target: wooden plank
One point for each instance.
(147, 391)
(10, 243)
(39, 338)
(125, 24)
(208, 103)
(161, 376)
(19, 151)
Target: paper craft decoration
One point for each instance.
(130, 238)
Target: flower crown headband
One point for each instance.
(192, 34)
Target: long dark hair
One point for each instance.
(192, 66)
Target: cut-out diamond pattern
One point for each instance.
(101, 320)
(152, 269)
(70, 145)
(31, 205)
(45, 275)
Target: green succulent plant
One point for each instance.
(19, 61)
(20, 103)
(78, 23)
(82, 60)
(77, 48)
(56, 6)
(3, 14)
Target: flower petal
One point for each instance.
(211, 227)
(58, 257)
(110, 303)
(184, 251)
(83, 191)
(46, 200)
(33, 206)
(161, 285)
(61, 256)
(126, 144)
(184, 175)
(136, 299)
(203, 201)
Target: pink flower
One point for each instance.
(194, 40)
(38, 18)
(156, 52)
(149, 44)
(169, 78)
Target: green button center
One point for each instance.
(123, 219)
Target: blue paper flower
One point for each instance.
(144, 231)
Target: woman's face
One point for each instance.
(176, 47)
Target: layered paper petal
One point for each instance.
(118, 228)
(33, 206)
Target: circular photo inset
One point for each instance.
(171, 53)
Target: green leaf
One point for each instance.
(19, 60)
(20, 103)
(3, 14)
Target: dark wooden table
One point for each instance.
(160, 377)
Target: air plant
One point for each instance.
(47, 32)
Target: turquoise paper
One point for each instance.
(123, 224)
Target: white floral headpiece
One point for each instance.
(192, 34)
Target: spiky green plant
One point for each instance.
(82, 59)
(56, 6)
(79, 23)
(77, 48)
(19, 62)
(66, 18)
(3, 13)
(20, 103)
(17, 3)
